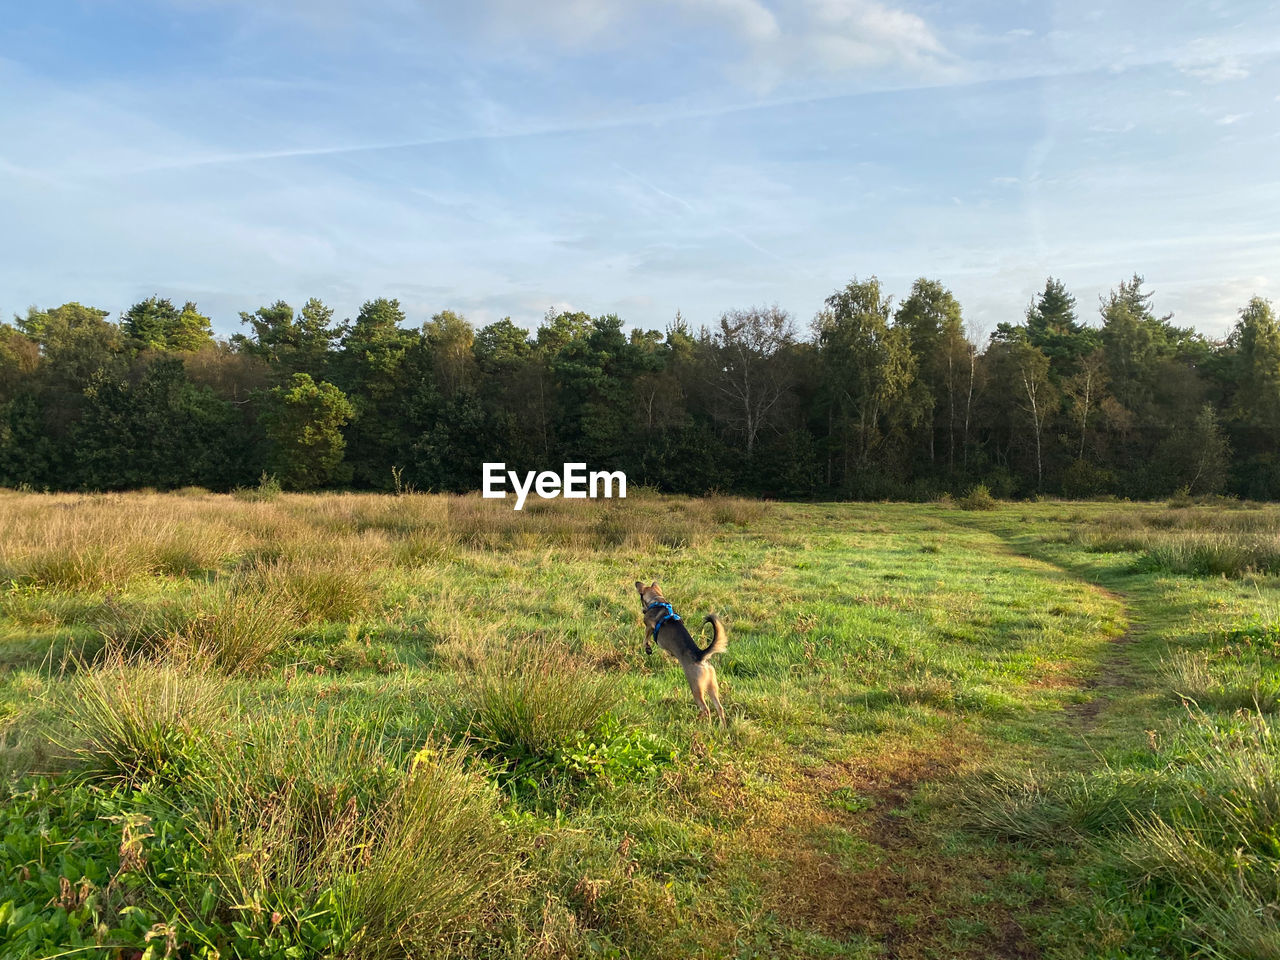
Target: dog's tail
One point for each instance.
(719, 640)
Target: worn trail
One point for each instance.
(909, 896)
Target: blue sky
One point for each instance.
(502, 157)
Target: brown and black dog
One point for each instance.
(662, 624)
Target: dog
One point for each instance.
(666, 628)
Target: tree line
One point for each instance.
(873, 400)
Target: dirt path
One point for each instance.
(911, 900)
(1114, 672)
(1115, 668)
(900, 896)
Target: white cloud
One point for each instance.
(861, 32)
(1216, 58)
(751, 17)
(575, 23)
(793, 37)
(1215, 71)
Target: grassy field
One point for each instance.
(363, 726)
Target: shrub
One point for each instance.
(268, 489)
(1083, 479)
(978, 498)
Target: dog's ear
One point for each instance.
(654, 585)
(640, 586)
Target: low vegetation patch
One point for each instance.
(1192, 541)
(1191, 828)
(424, 726)
(1245, 682)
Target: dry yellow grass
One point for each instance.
(107, 541)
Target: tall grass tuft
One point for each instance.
(268, 489)
(324, 811)
(1204, 825)
(435, 851)
(297, 795)
(236, 627)
(528, 702)
(84, 566)
(1243, 683)
(130, 630)
(1191, 541)
(1211, 555)
(1041, 805)
(735, 511)
(1222, 852)
(315, 590)
(131, 722)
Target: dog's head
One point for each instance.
(649, 594)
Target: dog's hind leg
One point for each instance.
(713, 690)
(696, 677)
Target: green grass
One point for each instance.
(529, 702)
(291, 726)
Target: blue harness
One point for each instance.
(662, 620)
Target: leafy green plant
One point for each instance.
(850, 800)
(611, 756)
(84, 869)
(612, 753)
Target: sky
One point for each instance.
(639, 157)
